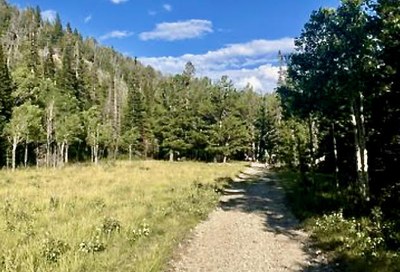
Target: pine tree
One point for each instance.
(6, 101)
(32, 56)
(6, 88)
(137, 115)
(66, 77)
(49, 68)
(57, 32)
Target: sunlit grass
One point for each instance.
(115, 217)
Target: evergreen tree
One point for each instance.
(57, 32)
(6, 88)
(48, 65)
(6, 101)
(66, 77)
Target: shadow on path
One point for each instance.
(258, 191)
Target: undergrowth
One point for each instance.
(351, 243)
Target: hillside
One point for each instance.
(69, 98)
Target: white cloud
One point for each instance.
(167, 7)
(152, 12)
(119, 1)
(180, 30)
(49, 15)
(116, 34)
(254, 62)
(87, 19)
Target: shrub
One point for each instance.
(359, 237)
(52, 249)
(110, 225)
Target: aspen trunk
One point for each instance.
(311, 147)
(14, 151)
(26, 155)
(335, 158)
(49, 130)
(66, 153)
(361, 155)
(61, 154)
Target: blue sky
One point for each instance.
(237, 38)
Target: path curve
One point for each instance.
(252, 230)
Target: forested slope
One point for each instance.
(65, 97)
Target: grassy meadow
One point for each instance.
(123, 216)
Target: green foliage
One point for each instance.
(110, 225)
(361, 238)
(52, 249)
(6, 88)
(25, 123)
(124, 106)
(27, 86)
(341, 83)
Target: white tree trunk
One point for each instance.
(26, 155)
(14, 151)
(92, 154)
(96, 154)
(171, 155)
(130, 152)
(357, 119)
(335, 157)
(96, 147)
(49, 131)
(61, 154)
(66, 157)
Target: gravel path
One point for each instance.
(251, 231)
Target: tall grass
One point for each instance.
(115, 217)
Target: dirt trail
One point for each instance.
(253, 230)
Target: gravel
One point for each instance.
(252, 230)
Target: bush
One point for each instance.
(52, 249)
(355, 238)
(110, 225)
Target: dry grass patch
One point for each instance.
(115, 217)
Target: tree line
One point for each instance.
(66, 98)
(340, 98)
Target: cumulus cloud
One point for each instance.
(167, 7)
(87, 19)
(180, 30)
(253, 63)
(118, 1)
(116, 34)
(49, 15)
